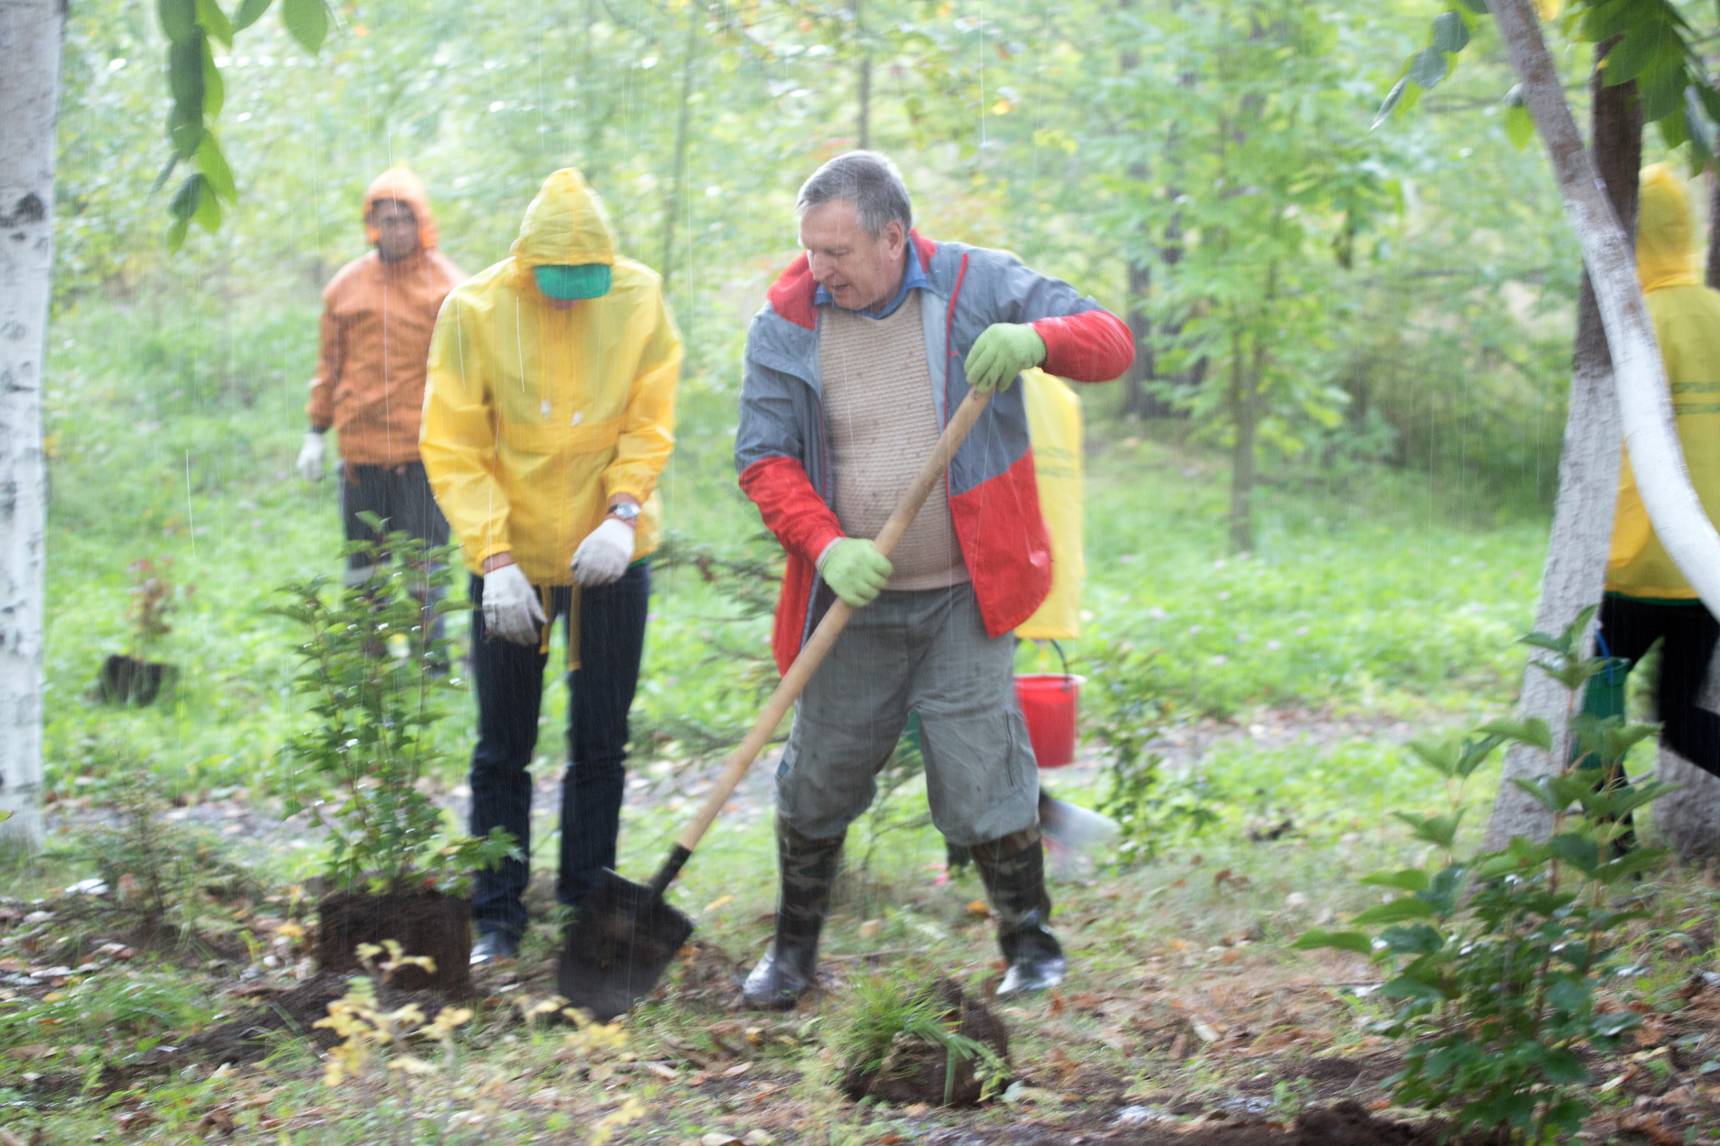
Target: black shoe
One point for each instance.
(789, 968)
(1013, 869)
(781, 978)
(493, 947)
(1036, 961)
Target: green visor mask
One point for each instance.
(560, 281)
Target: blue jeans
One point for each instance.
(509, 680)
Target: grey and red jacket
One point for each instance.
(783, 453)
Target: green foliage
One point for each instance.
(1128, 710)
(1652, 45)
(194, 82)
(160, 877)
(373, 711)
(1499, 962)
(99, 1019)
(908, 1005)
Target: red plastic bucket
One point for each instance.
(1049, 702)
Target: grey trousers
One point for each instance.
(923, 651)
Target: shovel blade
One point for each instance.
(622, 941)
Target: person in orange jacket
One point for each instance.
(378, 314)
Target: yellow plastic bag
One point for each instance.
(1054, 425)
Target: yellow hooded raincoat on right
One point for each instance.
(1686, 317)
(536, 417)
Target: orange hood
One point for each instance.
(400, 183)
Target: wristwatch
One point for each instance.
(624, 511)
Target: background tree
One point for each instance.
(30, 34)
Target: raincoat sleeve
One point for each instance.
(647, 432)
(457, 437)
(330, 350)
(1083, 341)
(770, 457)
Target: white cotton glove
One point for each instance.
(310, 461)
(602, 557)
(511, 608)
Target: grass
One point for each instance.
(1368, 612)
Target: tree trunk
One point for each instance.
(1243, 389)
(683, 125)
(30, 36)
(1588, 470)
(863, 125)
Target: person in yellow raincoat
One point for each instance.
(548, 420)
(1647, 599)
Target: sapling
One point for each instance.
(1496, 960)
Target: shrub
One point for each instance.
(373, 715)
(1496, 959)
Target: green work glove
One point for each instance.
(1003, 350)
(856, 570)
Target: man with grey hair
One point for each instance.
(862, 351)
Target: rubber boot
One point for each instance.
(788, 969)
(1013, 869)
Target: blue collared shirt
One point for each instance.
(913, 278)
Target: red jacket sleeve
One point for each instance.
(791, 508)
(1093, 346)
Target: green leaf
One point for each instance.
(1397, 911)
(307, 21)
(184, 204)
(214, 90)
(166, 171)
(1519, 126)
(1576, 850)
(1342, 940)
(176, 233)
(214, 21)
(1533, 732)
(214, 167)
(1629, 864)
(1438, 830)
(1409, 879)
(1662, 91)
(185, 130)
(1478, 6)
(1417, 939)
(178, 18)
(1405, 987)
(1710, 97)
(1646, 46)
(1606, 19)
(1440, 755)
(1450, 33)
(1390, 102)
(185, 71)
(250, 11)
(1428, 67)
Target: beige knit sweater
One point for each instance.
(883, 425)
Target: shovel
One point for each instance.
(626, 934)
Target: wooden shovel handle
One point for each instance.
(788, 690)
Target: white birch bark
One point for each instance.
(30, 37)
(1644, 402)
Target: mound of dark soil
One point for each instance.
(919, 1070)
(422, 922)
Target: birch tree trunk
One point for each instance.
(30, 35)
(1576, 558)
